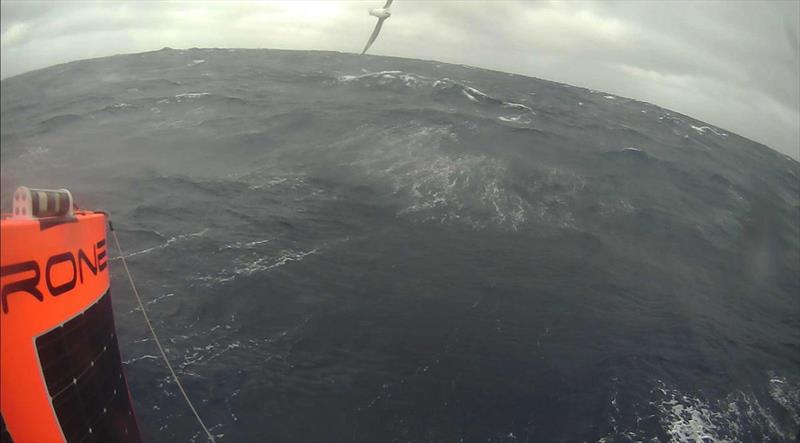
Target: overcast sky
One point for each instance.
(732, 64)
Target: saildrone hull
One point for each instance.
(61, 378)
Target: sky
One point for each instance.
(733, 64)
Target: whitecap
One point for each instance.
(518, 106)
(266, 263)
(258, 265)
(688, 417)
(167, 243)
(246, 245)
(518, 119)
(474, 91)
(787, 395)
(367, 75)
(703, 129)
(469, 96)
(143, 357)
(207, 353)
(191, 95)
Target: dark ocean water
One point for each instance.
(344, 248)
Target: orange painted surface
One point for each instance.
(24, 400)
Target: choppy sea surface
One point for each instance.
(345, 248)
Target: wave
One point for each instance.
(170, 241)
(117, 108)
(265, 264)
(421, 162)
(59, 121)
(142, 357)
(687, 417)
(695, 416)
(444, 89)
(204, 97)
(246, 245)
(786, 393)
(246, 268)
(204, 354)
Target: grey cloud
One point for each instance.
(733, 64)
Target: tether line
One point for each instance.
(155, 336)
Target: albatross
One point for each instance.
(382, 14)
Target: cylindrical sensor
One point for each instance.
(41, 203)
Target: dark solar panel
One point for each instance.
(81, 365)
(5, 437)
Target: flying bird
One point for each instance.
(382, 14)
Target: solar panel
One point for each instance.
(82, 369)
(5, 437)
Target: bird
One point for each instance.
(382, 14)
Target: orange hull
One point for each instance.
(60, 372)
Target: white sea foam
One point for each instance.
(469, 96)
(190, 96)
(615, 207)
(703, 129)
(248, 266)
(267, 263)
(692, 417)
(169, 242)
(259, 182)
(518, 106)
(787, 394)
(510, 119)
(246, 245)
(415, 80)
(372, 75)
(207, 353)
(143, 357)
(441, 186)
(472, 91)
(446, 186)
(669, 117)
(689, 417)
(150, 302)
(160, 297)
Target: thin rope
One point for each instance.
(155, 337)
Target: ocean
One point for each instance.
(357, 248)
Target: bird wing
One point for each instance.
(388, 3)
(374, 35)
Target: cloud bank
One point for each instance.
(732, 64)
